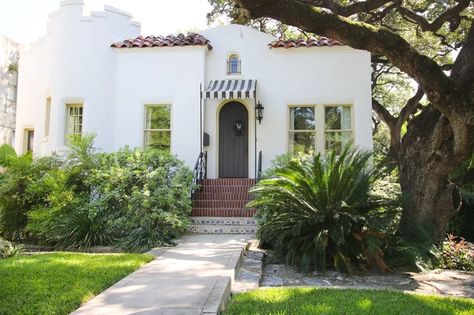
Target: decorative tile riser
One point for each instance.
(223, 196)
(219, 204)
(206, 212)
(229, 182)
(222, 229)
(225, 189)
(221, 221)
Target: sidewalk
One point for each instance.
(190, 279)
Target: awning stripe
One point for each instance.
(230, 89)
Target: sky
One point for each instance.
(25, 20)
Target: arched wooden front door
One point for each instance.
(233, 140)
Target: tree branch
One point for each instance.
(451, 15)
(356, 7)
(436, 84)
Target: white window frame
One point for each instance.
(68, 118)
(315, 131)
(326, 131)
(229, 67)
(320, 124)
(145, 129)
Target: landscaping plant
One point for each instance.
(8, 249)
(313, 210)
(456, 253)
(134, 199)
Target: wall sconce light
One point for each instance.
(259, 112)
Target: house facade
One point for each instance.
(9, 50)
(240, 95)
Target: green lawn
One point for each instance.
(299, 301)
(58, 283)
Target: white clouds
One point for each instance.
(25, 20)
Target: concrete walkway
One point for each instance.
(190, 279)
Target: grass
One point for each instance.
(58, 283)
(299, 301)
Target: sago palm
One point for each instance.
(312, 209)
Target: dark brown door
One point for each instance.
(233, 140)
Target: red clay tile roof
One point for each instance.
(311, 42)
(160, 41)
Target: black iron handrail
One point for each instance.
(259, 169)
(199, 173)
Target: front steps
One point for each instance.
(219, 207)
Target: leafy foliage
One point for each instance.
(16, 197)
(313, 210)
(135, 199)
(456, 253)
(8, 249)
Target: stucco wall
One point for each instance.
(163, 76)
(296, 76)
(75, 63)
(72, 63)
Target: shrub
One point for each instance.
(134, 199)
(16, 198)
(8, 249)
(456, 253)
(313, 209)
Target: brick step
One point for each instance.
(229, 182)
(223, 196)
(223, 212)
(225, 189)
(219, 203)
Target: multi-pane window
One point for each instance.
(302, 131)
(337, 127)
(74, 119)
(318, 127)
(158, 127)
(233, 64)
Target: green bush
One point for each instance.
(313, 210)
(134, 199)
(16, 197)
(8, 249)
(456, 253)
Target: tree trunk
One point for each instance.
(430, 199)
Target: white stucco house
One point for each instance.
(189, 94)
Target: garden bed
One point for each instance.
(58, 283)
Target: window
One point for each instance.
(337, 127)
(233, 64)
(29, 140)
(302, 131)
(319, 127)
(74, 119)
(158, 127)
(47, 117)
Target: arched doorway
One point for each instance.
(233, 140)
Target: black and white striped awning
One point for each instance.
(230, 89)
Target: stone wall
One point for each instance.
(8, 88)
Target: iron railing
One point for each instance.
(199, 173)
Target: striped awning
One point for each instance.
(230, 89)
